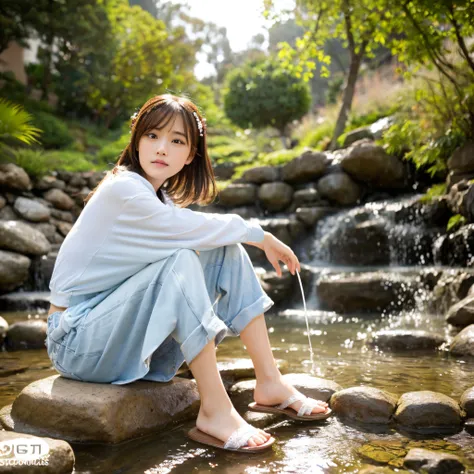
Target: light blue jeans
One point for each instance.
(166, 313)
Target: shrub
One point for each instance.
(55, 131)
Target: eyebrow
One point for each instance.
(174, 131)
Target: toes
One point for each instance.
(264, 434)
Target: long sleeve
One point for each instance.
(147, 221)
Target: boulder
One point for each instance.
(452, 286)
(405, 340)
(63, 227)
(427, 410)
(431, 462)
(339, 188)
(261, 174)
(100, 413)
(310, 215)
(14, 177)
(307, 197)
(77, 181)
(238, 195)
(32, 210)
(280, 228)
(29, 334)
(278, 288)
(14, 269)
(224, 171)
(364, 243)
(307, 167)
(364, 404)
(357, 134)
(22, 238)
(461, 314)
(455, 178)
(455, 249)
(320, 389)
(369, 163)
(8, 214)
(246, 212)
(467, 402)
(62, 215)
(463, 343)
(3, 202)
(275, 196)
(59, 199)
(95, 177)
(47, 229)
(365, 292)
(58, 453)
(462, 159)
(49, 182)
(461, 199)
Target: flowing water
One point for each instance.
(340, 355)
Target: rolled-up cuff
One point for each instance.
(264, 303)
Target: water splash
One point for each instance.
(307, 325)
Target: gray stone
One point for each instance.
(224, 171)
(60, 458)
(405, 339)
(455, 178)
(13, 270)
(238, 195)
(59, 199)
(461, 314)
(463, 343)
(62, 215)
(431, 462)
(64, 228)
(246, 212)
(77, 181)
(3, 202)
(364, 243)
(100, 413)
(467, 402)
(14, 177)
(23, 238)
(307, 167)
(462, 159)
(364, 404)
(427, 410)
(310, 215)
(365, 292)
(275, 196)
(29, 334)
(357, 134)
(8, 214)
(261, 174)
(47, 229)
(279, 228)
(32, 210)
(305, 198)
(339, 188)
(277, 288)
(49, 182)
(369, 163)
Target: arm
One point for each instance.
(148, 221)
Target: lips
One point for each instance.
(160, 162)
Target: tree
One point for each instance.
(265, 94)
(362, 26)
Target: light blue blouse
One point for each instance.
(125, 227)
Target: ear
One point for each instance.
(189, 160)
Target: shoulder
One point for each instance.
(126, 185)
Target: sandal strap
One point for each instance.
(290, 400)
(307, 407)
(240, 437)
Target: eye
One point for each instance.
(180, 141)
(151, 135)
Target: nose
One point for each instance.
(162, 147)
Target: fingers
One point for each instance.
(276, 266)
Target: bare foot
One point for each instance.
(221, 423)
(277, 391)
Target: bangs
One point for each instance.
(160, 117)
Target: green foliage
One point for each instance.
(55, 131)
(37, 163)
(455, 222)
(434, 192)
(320, 137)
(265, 94)
(111, 152)
(431, 124)
(16, 125)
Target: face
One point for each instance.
(163, 153)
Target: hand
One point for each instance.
(275, 250)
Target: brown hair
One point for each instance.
(195, 183)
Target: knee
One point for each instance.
(186, 259)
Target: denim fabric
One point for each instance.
(147, 326)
